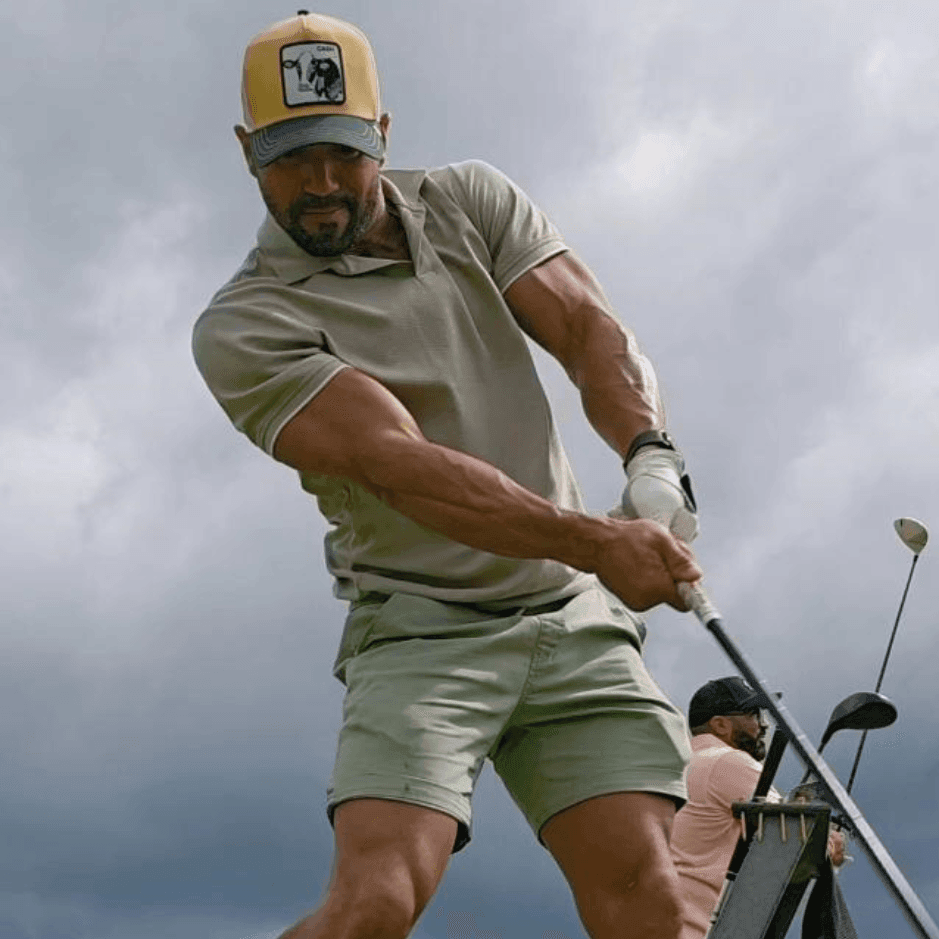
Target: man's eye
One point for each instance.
(348, 153)
(291, 158)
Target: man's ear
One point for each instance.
(384, 126)
(244, 139)
(721, 727)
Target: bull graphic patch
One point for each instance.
(312, 73)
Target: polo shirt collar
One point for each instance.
(701, 742)
(292, 264)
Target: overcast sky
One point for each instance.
(757, 187)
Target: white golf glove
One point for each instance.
(658, 488)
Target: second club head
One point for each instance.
(912, 533)
(863, 710)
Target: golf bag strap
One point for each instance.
(826, 914)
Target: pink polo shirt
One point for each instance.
(705, 832)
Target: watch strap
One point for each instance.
(649, 438)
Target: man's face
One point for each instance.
(325, 196)
(748, 733)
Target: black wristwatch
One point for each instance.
(650, 438)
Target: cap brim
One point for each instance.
(270, 143)
(756, 700)
(702, 715)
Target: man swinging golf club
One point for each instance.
(374, 340)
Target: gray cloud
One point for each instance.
(757, 192)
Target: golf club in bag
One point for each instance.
(826, 913)
(914, 535)
(863, 710)
(835, 794)
(781, 880)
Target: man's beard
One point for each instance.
(755, 746)
(330, 240)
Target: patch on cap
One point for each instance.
(312, 73)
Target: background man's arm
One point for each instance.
(356, 429)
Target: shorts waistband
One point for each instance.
(490, 609)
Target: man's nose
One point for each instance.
(319, 177)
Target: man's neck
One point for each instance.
(386, 238)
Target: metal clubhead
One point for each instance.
(864, 710)
(912, 533)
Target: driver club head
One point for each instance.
(864, 710)
(912, 533)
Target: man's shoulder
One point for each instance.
(255, 268)
(255, 284)
(460, 180)
(255, 273)
(709, 749)
(740, 759)
(271, 267)
(709, 744)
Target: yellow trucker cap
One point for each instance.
(311, 79)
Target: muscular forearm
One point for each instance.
(475, 503)
(355, 429)
(562, 307)
(617, 383)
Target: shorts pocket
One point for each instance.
(358, 630)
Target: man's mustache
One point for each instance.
(319, 204)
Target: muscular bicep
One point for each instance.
(558, 304)
(347, 429)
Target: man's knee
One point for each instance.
(644, 901)
(374, 907)
(389, 859)
(614, 852)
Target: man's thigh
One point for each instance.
(608, 838)
(592, 720)
(430, 687)
(378, 840)
(613, 850)
(389, 859)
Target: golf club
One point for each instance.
(864, 710)
(914, 535)
(861, 711)
(910, 905)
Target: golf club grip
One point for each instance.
(698, 601)
(891, 876)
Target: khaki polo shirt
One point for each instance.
(436, 331)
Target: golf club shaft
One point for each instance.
(883, 670)
(896, 623)
(857, 760)
(910, 904)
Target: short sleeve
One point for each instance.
(518, 234)
(259, 360)
(733, 779)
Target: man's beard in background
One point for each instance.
(755, 746)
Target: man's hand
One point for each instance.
(641, 563)
(836, 847)
(658, 489)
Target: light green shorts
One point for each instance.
(557, 697)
